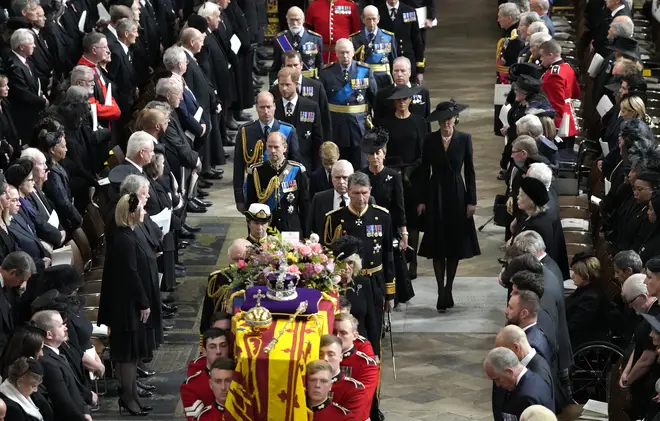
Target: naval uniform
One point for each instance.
(308, 43)
(408, 37)
(251, 149)
(333, 20)
(378, 50)
(285, 190)
(350, 91)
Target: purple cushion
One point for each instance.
(311, 295)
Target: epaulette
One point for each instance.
(298, 164)
(361, 63)
(514, 34)
(206, 409)
(329, 64)
(315, 33)
(361, 339)
(387, 32)
(358, 384)
(332, 211)
(367, 358)
(192, 377)
(344, 410)
(379, 208)
(284, 123)
(354, 34)
(253, 166)
(555, 69)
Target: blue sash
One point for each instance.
(344, 93)
(284, 43)
(272, 201)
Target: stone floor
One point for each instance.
(438, 357)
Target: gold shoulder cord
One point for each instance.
(273, 184)
(218, 295)
(258, 151)
(328, 234)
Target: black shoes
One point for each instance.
(180, 266)
(194, 208)
(204, 184)
(123, 407)
(191, 228)
(142, 373)
(212, 174)
(201, 202)
(184, 234)
(202, 194)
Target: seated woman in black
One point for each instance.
(24, 377)
(587, 307)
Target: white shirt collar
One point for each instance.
(190, 53)
(127, 159)
(113, 31)
(36, 30)
(528, 326)
(124, 47)
(293, 100)
(541, 257)
(522, 373)
(337, 199)
(617, 9)
(528, 357)
(23, 59)
(2, 281)
(55, 350)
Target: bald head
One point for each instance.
(237, 249)
(294, 11)
(515, 339)
(370, 18)
(191, 39)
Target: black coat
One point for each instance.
(7, 316)
(25, 96)
(587, 311)
(215, 64)
(407, 32)
(314, 90)
(310, 133)
(362, 308)
(67, 394)
(538, 365)
(530, 390)
(43, 66)
(26, 237)
(539, 341)
(234, 20)
(201, 87)
(554, 269)
(38, 220)
(318, 182)
(58, 190)
(16, 411)
(122, 72)
(178, 149)
(552, 319)
(59, 44)
(149, 22)
(448, 231)
(551, 231)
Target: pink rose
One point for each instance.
(324, 258)
(305, 250)
(316, 247)
(318, 268)
(337, 279)
(241, 264)
(294, 269)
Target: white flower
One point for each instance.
(314, 238)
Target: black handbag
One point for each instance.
(500, 215)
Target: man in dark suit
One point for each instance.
(521, 388)
(21, 231)
(532, 242)
(15, 270)
(522, 311)
(310, 89)
(43, 65)
(612, 9)
(321, 179)
(334, 198)
(26, 94)
(70, 398)
(401, 19)
(301, 113)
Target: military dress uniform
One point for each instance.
(561, 87)
(310, 46)
(349, 393)
(214, 412)
(361, 367)
(216, 291)
(286, 192)
(378, 50)
(350, 91)
(333, 20)
(362, 344)
(250, 149)
(329, 411)
(408, 37)
(196, 393)
(506, 54)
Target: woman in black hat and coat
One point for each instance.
(533, 200)
(387, 191)
(404, 150)
(449, 201)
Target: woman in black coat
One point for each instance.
(130, 300)
(16, 391)
(450, 200)
(586, 307)
(52, 139)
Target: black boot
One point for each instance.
(439, 269)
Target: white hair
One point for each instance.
(501, 359)
(20, 37)
(530, 242)
(539, 38)
(344, 41)
(132, 184)
(173, 56)
(623, 27)
(33, 154)
(537, 27)
(138, 141)
(543, 4)
(208, 9)
(342, 163)
(530, 124)
(529, 18)
(511, 10)
(541, 172)
(634, 286)
(80, 72)
(404, 60)
(168, 85)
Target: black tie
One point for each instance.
(393, 14)
(296, 41)
(329, 177)
(289, 109)
(371, 38)
(342, 204)
(266, 130)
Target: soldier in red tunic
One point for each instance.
(333, 20)
(195, 392)
(346, 391)
(561, 87)
(318, 384)
(361, 343)
(222, 371)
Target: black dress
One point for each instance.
(406, 138)
(448, 232)
(387, 191)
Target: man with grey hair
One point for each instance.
(15, 271)
(527, 19)
(523, 5)
(508, 49)
(531, 242)
(600, 21)
(83, 76)
(626, 263)
(621, 27)
(515, 388)
(26, 94)
(542, 7)
(380, 61)
(531, 125)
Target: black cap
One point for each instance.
(529, 84)
(579, 257)
(404, 91)
(535, 190)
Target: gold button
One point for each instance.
(376, 218)
(373, 262)
(342, 221)
(375, 241)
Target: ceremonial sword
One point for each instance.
(388, 328)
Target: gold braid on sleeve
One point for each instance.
(328, 234)
(218, 295)
(230, 300)
(273, 184)
(258, 154)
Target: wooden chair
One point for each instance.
(574, 201)
(91, 299)
(91, 287)
(574, 212)
(77, 260)
(578, 237)
(572, 249)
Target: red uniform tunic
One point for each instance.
(194, 366)
(363, 368)
(333, 20)
(331, 411)
(362, 344)
(561, 86)
(196, 393)
(350, 393)
(213, 412)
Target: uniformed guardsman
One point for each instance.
(351, 87)
(250, 146)
(561, 87)
(308, 43)
(196, 393)
(282, 185)
(346, 391)
(401, 19)
(375, 46)
(220, 376)
(506, 54)
(334, 20)
(318, 382)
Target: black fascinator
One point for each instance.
(133, 202)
